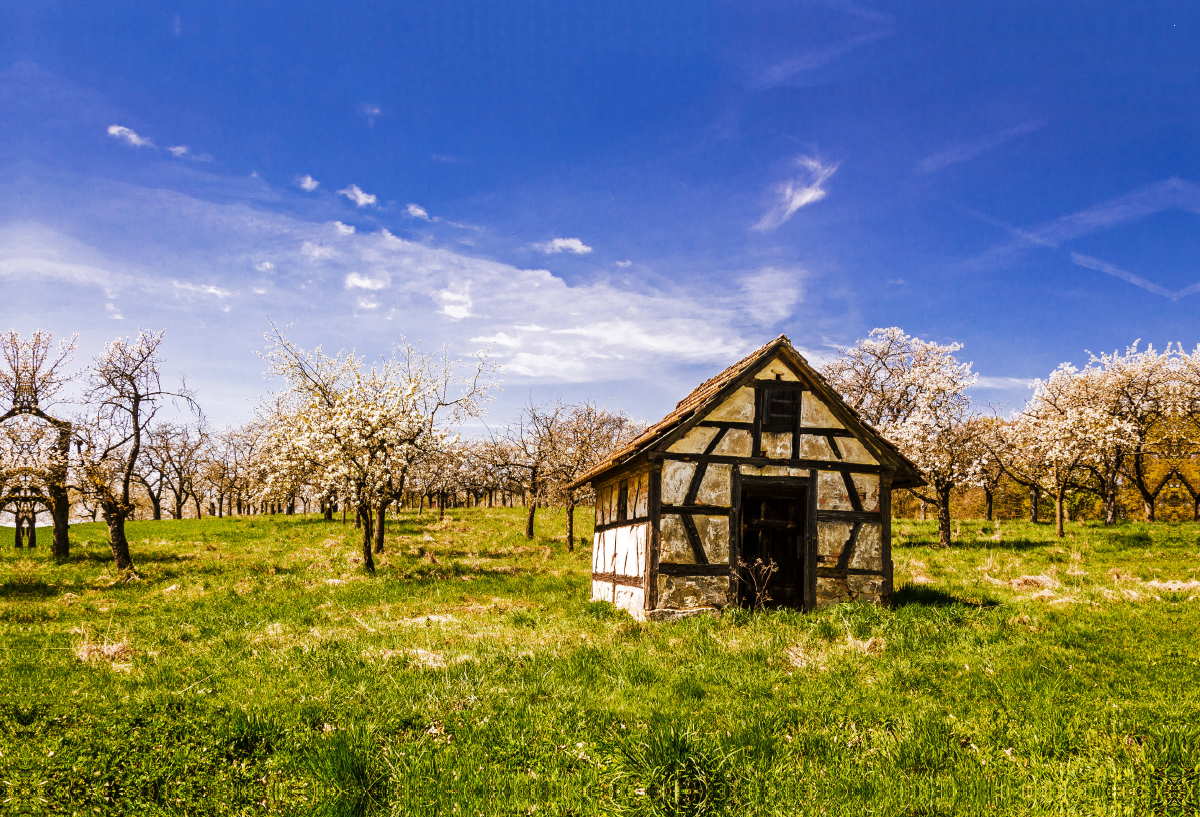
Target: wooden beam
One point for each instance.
(703, 510)
(760, 462)
(848, 516)
(676, 569)
(637, 520)
(617, 578)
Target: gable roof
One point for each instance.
(709, 393)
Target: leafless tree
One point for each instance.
(123, 394)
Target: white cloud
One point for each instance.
(356, 195)
(368, 303)
(896, 281)
(417, 211)
(265, 266)
(112, 312)
(1006, 383)
(969, 150)
(317, 251)
(259, 291)
(770, 295)
(782, 72)
(307, 183)
(121, 132)
(344, 229)
(498, 339)
(178, 151)
(557, 245)
(799, 192)
(456, 301)
(623, 263)
(203, 289)
(356, 281)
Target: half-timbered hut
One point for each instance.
(764, 463)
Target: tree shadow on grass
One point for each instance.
(975, 544)
(931, 597)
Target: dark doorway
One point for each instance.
(772, 536)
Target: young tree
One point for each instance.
(913, 392)
(530, 446)
(361, 429)
(587, 436)
(1065, 429)
(123, 392)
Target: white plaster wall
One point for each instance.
(777, 370)
(621, 550)
(632, 599)
(815, 414)
(695, 441)
(737, 408)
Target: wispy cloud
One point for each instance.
(1006, 383)
(183, 151)
(796, 193)
(356, 281)
(344, 229)
(356, 195)
(111, 311)
(264, 266)
(203, 289)
(969, 150)
(781, 72)
(770, 295)
(623, 263)
(371, 112)
(1098, 265)
(417, 211)
(438, 157)
(317, 251)
(129, 136)
(557, 245)
(307, 183)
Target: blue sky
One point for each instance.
(618, 198)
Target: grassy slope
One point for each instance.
(254, 668)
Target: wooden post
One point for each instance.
(885, 520)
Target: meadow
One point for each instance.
(253, 668)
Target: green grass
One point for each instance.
(253, 668)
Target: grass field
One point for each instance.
(253, 668)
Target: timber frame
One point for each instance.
(669, 505)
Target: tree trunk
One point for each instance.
(922, 510)
(116, 539)
(529, 520)
(1060, 503)
(380, 516)
(19, 532)
(570, 524)
(328, 512)
(156, 505)
(364, 515)
(1110, 505)
(1035, 496)
(943, 511)
(32, 530)
(196, 502)
(987, 504)
(441, 505)
(1148, 508)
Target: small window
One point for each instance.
(780, 408)
(623, 501)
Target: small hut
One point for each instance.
(762, 486)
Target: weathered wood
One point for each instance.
(848, 516)
(885, 546)
(735, 535)
(703, 510)
(725, 425)
(852, 491)
(637, 520)
(693, 535)
(676, 569)
(654, 506)
(760, 462)
(618, 578)
(810, 545)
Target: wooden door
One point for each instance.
(772, 546)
